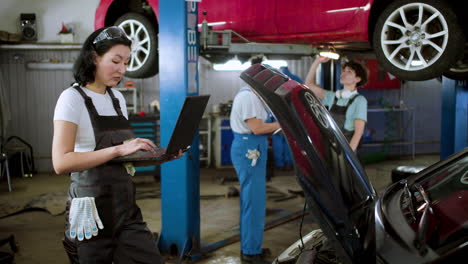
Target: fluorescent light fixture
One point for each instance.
(330, 54)
(231, 65)
(276, 63)
(236, 65)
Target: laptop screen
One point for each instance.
(187, 123)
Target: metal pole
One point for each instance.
(178, 76)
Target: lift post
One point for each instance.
(178, 77)
(454, 125)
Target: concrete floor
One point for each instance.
(39, 233)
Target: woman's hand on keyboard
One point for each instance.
(134, 145)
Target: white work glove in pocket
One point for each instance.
(84, 218)
(253, 154)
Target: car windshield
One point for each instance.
(447, 193)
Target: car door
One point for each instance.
(246, 17)
(311, 16)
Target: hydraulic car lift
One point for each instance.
(180, 179)
(178, 55)
(454, 125)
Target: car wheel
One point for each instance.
(417, 40)
(144, 54)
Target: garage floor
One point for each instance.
(39, 232)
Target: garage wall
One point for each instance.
(49, 17)
(32, 95)
(426, 98)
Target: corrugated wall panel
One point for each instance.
(426, 97)
(32, 95)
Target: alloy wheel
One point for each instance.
(141, 44)
(414, 36)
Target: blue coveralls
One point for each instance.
(252, 188)
(281, 152)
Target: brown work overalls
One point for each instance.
(125, 237)
(338, 113)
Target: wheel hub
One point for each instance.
(415, 37)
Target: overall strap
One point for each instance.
(332, 104)
(88, 101)
(351, 101)
(115, 102)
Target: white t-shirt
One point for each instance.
(71, 107)
(246, 105)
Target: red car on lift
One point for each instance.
(412, 39)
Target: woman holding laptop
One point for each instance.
(103, 222)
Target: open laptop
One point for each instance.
(182, 136)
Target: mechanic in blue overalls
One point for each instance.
(249, 122)
(347, 107)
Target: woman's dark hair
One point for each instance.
(359, 69)
(84, 69)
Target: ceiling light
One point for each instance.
(330, 54)
(235, 65)
(232, 65)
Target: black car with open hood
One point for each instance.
(405, 225)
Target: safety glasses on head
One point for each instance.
(110, 33)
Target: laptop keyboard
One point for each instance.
(146, 155)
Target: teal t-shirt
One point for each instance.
(357, 110)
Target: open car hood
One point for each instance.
(337, 190)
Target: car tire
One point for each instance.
(420, 45)
(144, 55)
(458, 70)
